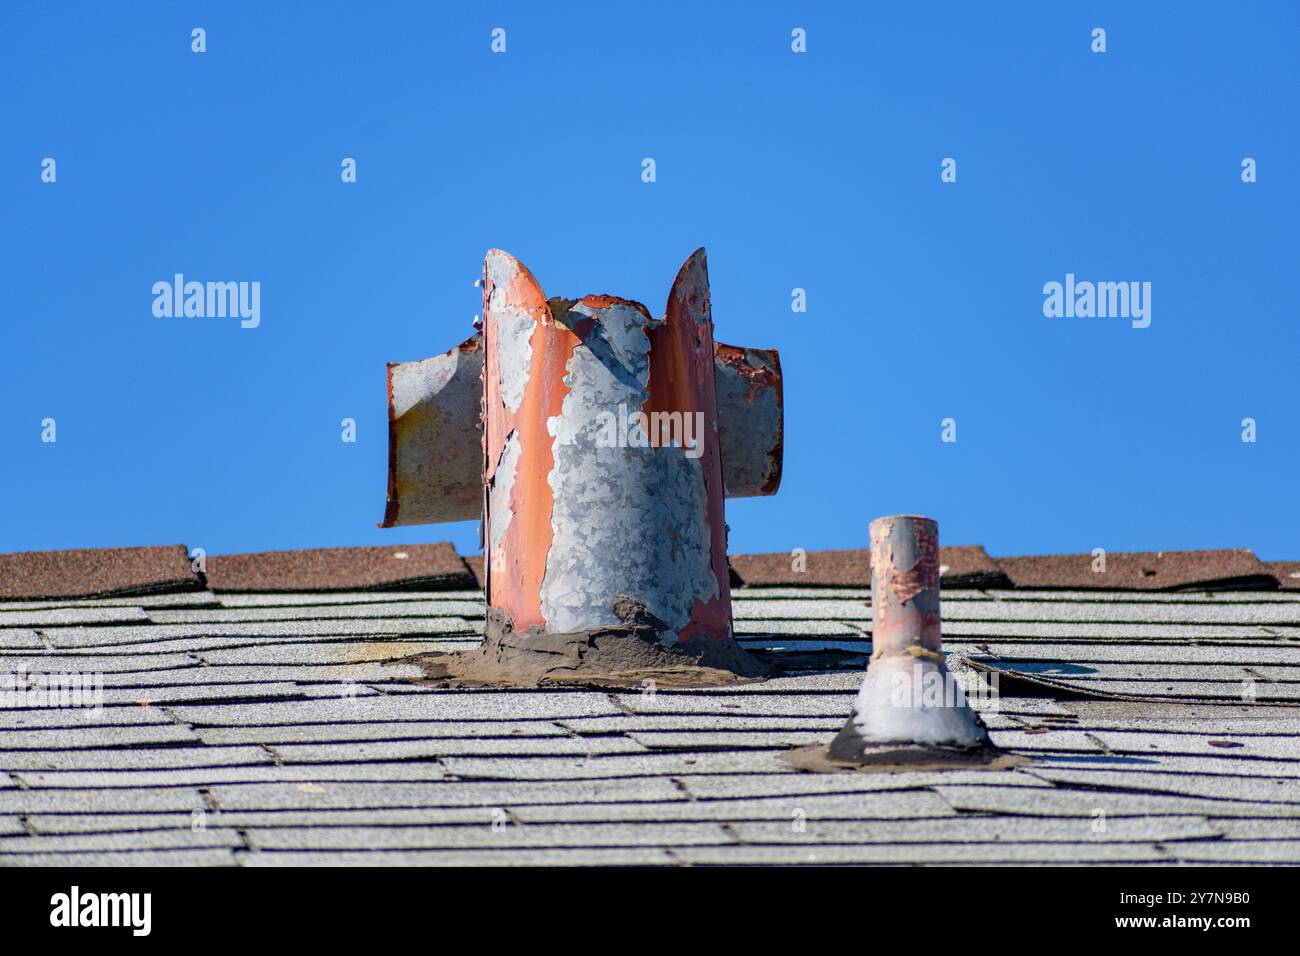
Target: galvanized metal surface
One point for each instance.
(751, 419)
(435, 430)
(577, 514)
(435, 452)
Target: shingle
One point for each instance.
(430, 566)
(699, 723)
(804, 569)
(1183, 652)
(1140, 570)
(456, 746)
(1038, 595)
(1221, 763)
(20, 639)
(962, 566)
(796, 628)
(887, 805)
(103, 663)
(307, 600)
(480, 836)
(974, 829)
(443, 794)
(722, 740)
(169, 858)
(1162, 612)
(1127, 632)
(37, 717)
(132, 758)
(1046, 739)
(723, 786)
(844, 651)
(63, 616)
(914, 853)
(320, 653)
(851, 593)
(239, 819)
(92, 736)
(132, 800)
(1286, 572)
(186, 838)
(1236, 787)
(166, 638)
(385, 730)
(753, 704)
(161, 600)
(93, 572)
(649, 764)
(1225, 851)
(1086, 803)
(1194, 719)
(513, 856)
(1180, 690)
(212, 693)
(830, 609)
(1235, 828)
(429, 705)
(197, 674)
(1185, 672)
(318, 612)
(374, 771)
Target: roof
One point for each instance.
(277, 726)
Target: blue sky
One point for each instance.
(818, 170)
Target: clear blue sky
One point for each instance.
(819, 170)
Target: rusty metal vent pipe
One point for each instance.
(605, 437)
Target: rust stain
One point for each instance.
(391, 506)
(759, 377)
(599, 303)
(682, 380)
(526, 544)
(905, 573)
(777, 454)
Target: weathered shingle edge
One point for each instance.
(390, 568)
(96, 573)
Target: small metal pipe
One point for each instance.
(908, 697)
(905, 588)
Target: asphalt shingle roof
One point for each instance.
(274, 728)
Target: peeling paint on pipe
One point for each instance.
(585, 521)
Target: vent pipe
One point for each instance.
(910, 713)
(601, 479)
